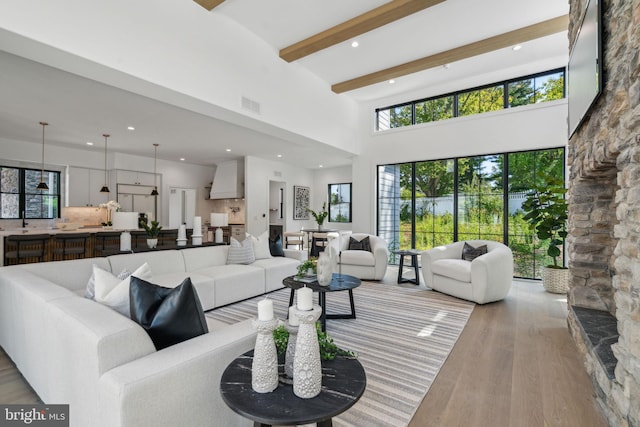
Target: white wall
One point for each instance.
(322, 179)
(258, 173)
(522, 128)
(140, 46)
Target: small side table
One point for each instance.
(343, 383)
(414, 263)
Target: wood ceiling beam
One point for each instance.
(209, 4)
(521, 35)
(375, 18)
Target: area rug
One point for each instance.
(402, 337)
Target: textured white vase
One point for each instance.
(264, 368)
(307, 369)
(325, 269)
(290, 355)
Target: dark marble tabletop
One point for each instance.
(343, 383)
(339, 282)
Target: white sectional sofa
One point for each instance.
(76, 351)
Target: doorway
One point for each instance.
(182, 206)
(276, 208)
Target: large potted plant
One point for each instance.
(152, 232)
(546, 212)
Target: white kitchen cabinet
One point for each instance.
(135, 178)
(84, 187)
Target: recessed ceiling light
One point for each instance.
(131, 128)
(517, 47)
(320, 166)
(279, 155)
(355, 43)
(391, 81)
(228, 149)
(182, 159)
(89, 143)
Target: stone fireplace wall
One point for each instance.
(604, 210)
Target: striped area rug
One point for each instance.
(402, 337)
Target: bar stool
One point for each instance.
(70, 246)
(107, 243)
(25, 249)
(294, 238)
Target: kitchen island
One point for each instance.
(98, 242)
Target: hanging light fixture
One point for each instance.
(105, 188)
(43, 185)
(154, 192)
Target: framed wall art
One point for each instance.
(301, 202)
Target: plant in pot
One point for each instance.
(308, 267)
(320, 216)
(152, 232)
(546, 212)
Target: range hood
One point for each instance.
(228, 180)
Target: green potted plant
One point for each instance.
(546, 212)
(308, 267)
(320, 216)
(152, 232)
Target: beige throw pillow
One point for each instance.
(113, 292)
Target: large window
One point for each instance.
(20, 199)
(426, 204)
(541, 87)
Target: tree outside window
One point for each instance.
(340, 202)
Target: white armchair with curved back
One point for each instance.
(363, 264)
(486, 278)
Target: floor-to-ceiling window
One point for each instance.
(426, 204)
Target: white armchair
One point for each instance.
(485, 279)
(362, 264)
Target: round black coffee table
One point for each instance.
(343, 382)
(339, 282)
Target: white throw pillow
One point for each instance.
(113, 292)
(261, 246)
(90, 292)
(240, 253)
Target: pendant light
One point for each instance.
(43, 185)
(154, 192)
(105, 188)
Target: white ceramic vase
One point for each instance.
(325, 269)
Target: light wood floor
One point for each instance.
(514, 365)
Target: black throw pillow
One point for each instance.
(362, 245)
(169, 315)
(469, 253)
(275, 246)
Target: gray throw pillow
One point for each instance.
(469, 253)
(362, 245)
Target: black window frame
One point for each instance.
(350, 217)
(23, 192)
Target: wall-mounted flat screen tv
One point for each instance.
(584, 72)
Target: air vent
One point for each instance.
(250, 104)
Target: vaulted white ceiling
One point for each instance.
(81, 109)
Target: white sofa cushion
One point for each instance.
(358, 257)
(276, 269)
(204, 285)
(114, 292)
(206, 256)
(160, 262)
(234, 282)
(72, 274)
(457, 269)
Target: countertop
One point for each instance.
(29, 231)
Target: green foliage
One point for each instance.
(546, 212)
(152, 230)
(320, 216)
(311, 263)
(328, 349)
